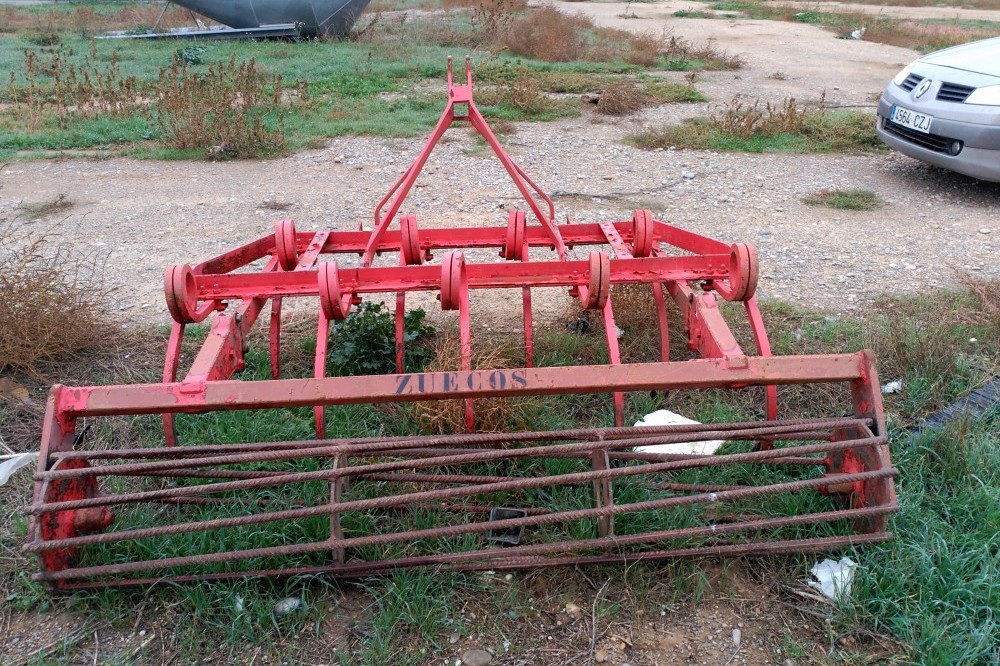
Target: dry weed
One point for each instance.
(646, 48)
(710, 55)
(490, 18)
(987, 296)
(635, 313)
(744, 119)
(548, 34)
(518, 89)
(53, 304)
(222, 110)
(621, 98)
(492, 414)
(85, 21)
(275, 204)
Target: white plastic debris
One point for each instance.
(663, 417)
(14, 463)
(892, 387)
(834, 579)
(859, 33)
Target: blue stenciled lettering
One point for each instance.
(456, 382)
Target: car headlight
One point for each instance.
(987, 96)
(903, 73)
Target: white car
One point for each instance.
(945, 109)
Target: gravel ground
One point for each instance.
(145, 215)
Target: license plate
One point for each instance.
(907, 118)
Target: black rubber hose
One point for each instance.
(971, 406)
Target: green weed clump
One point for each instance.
(365, 342)
(742, 126)
(855, 199)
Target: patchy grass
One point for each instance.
(141, 98)
(937, 585)
(965, 4)
(520, 96)
(743, 126)
(934, 588)
(551, 35)
(845, 199)
(38, 209)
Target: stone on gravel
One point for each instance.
(476, 658)
(287, 606)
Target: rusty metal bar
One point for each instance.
(814, 428)
(479, 561)
(445, 493)
(441, 532)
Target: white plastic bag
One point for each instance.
(14, 463)
(834, 579)
(662, 417)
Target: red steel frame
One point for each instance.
(695, 271)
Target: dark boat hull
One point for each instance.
(312, 17)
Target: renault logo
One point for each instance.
(922, 88)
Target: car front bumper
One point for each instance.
(979, 155)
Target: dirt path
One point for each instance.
(809, 58)
(897, 11)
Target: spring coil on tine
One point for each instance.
(285, 245)
(744, 271)
(181, 292)
(336, 304)
(410, 240)
(595, 294)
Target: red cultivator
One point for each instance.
(352, 506)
